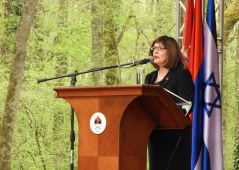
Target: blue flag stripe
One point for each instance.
(211, 21)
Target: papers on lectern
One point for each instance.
(183, 104)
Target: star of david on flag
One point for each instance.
(213, 89)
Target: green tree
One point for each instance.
(229, 86)
(97, 49)
(236, 91)
(76, 35)
(15, 82)
(6, 36)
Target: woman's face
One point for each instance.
(160, 54)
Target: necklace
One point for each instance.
(159, 76)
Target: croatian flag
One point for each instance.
(212, 131)
(207, 124)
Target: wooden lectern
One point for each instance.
(131, 113)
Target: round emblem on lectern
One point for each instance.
(97, 123)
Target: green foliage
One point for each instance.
(59, 43)
(230, 103)
(17, 7)
(236, 152)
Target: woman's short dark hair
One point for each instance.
(175, 56)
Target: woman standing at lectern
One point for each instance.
(170, 149)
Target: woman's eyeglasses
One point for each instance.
(158, 48)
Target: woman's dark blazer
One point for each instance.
(177, 80)
(171, 149)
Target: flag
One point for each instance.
(212, 128)
(196, 69)
(187, 34)
(207, 122)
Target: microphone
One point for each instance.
(146, 60)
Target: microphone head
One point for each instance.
(146, 60)
(151, 59)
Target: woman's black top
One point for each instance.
(171, 149)
(177, 80)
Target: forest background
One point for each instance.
(58, 37)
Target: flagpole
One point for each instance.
(221, 51)
(203, 12)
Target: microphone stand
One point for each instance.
(88, 71)
(72, 136)
(73, 81)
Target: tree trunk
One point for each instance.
(97, 40)
(236, 150)
(6, 36)
(230, 19)
(15, 82)
(237, 80)
(111, 51)
(225, 109)
(61, 67)
(158, 20)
